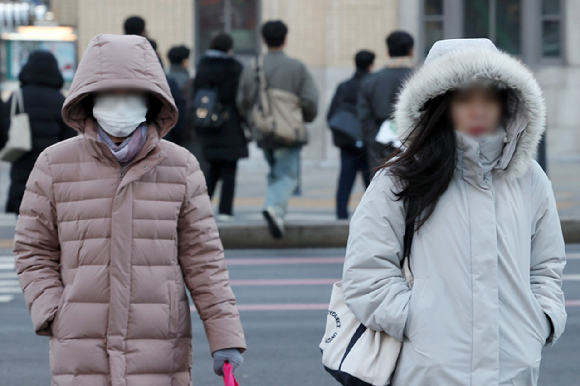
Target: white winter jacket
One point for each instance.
(487, 264)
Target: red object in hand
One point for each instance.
(229, 379)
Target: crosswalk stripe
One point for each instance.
(7, 266)
(10, 290)
(6, 298)
(8, 275)
(571, 277)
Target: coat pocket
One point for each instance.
(544, 326)
(173, 307)
(56, 319)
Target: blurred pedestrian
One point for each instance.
(218, 77)
(40, 82)
(115, 225)
(4, 123)
(378, 94)
(178, 63)
(135, 25)
(289, 75)
(474, 216)
(347, 132)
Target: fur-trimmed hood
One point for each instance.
(454, 63)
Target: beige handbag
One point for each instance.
(19, 135)
(352, 353)
(277, 113)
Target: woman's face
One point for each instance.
(476, 111)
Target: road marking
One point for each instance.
(572, 277)
(7, 266)
(316, 307)
(10, 290)
(284, 261)
(273, 282)
(278, 307)
(6, 298)
(6, 283)
(573, 256)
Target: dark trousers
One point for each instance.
(226, 172)
(352, 161)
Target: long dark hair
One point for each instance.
(426, 167)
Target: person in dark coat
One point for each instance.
(222, 147)
(353, 155)
(4, 123)
(40, 81)
(378, 94)
(178, 62)
(176, 135)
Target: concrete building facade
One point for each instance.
(326, 34)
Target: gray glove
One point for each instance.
(231, 355)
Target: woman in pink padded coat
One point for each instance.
(115, 224)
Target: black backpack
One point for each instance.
(207, 110)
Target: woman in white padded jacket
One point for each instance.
(487, 253)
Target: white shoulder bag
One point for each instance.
(353, 354)
(19, 135)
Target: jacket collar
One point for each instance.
(477, 159)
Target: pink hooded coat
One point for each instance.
(104, 255)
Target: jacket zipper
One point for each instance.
(121, 173)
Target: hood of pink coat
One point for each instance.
(117, 61)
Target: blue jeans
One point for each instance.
(283, 177)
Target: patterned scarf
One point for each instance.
(128, 149)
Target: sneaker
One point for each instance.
(275, 223)
(224, 217)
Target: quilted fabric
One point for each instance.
(104, 254)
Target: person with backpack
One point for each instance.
(115, 226)
(347, 132)
(378, 94)
(278, 94)
(216, 119)
(480, 217)
(40, 84)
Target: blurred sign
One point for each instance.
(60, 41)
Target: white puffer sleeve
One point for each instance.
(548, 255)
(375, 289)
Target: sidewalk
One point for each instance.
(311, 219)
(319, 183)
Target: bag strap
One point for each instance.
(229, 379)
(262, 90)
(408, 238)
(17, 103)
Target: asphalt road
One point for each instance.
(282, 296)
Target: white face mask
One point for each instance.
(120, 115)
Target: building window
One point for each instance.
(433, 28)
(530, 29)
(498, 20)
(239, 18)
(551, 20)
